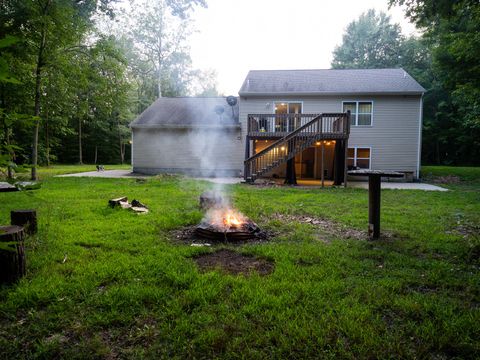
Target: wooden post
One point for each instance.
(12, 254)
(374, 206)
(25, 218)
(291, 178)
(323, 164)
(345, 164)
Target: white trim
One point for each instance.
(420, 122)
(355, 158)
(131, 151)
(356, 112)
(285, 101)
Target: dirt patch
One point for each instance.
(447, 179)
(231, 262)
(327, 228)
(466, 229)
(187, 236)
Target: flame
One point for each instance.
(230, 219)
(225, 218)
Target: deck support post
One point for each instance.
(323, 164)
(247, 148)
(246, 168)
(291, 177)
(345, 163)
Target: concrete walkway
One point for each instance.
(127, 174)
(398, 186)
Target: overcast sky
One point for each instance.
(235, 36)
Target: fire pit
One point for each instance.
(223, 223)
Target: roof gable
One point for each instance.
(187, 112)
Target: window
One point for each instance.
(291, 119)
(358, 157)
(360, 112)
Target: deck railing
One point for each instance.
(264, 125)
(320, 127)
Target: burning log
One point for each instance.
(248, 230)
(224, 223)
(12, 254)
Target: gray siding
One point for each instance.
(393, 136)
(203, 152)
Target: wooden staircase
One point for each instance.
(325, 126)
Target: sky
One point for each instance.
(235, 36)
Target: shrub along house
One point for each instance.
(313, 123)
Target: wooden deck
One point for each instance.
(293, 133)
(276, 126)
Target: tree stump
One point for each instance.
(25, 218)
(12, 254)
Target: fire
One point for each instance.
(230, 219)
(225, 218)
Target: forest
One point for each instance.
(74, 74)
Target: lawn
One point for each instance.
(107, 283)
(45, 172)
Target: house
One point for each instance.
(316, 123)
(199, 136)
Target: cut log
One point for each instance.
(26, 218)
(27, 185)
(12, 254)
(136, 203)
(139, 210)
(117, 202)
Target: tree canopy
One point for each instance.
(74, 74)
(443, 60)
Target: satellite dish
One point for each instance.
(231, 100)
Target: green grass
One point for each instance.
(127, 290)
(464, 173)
(45, 172)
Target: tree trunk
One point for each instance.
(47, 140)
(291, 176)
(25, 218)
(122, 152)
(96, 153)
(36, 113)
(122, 145)
(12, 254)
(80, 158)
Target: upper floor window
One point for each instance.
(361, 112)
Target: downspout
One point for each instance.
(420, 125)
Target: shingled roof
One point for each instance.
(187, 112)
(329, 82)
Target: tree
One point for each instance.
(372, 41)
(160, 33)
(49, 26)
(452, 28)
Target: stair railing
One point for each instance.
(290, 145)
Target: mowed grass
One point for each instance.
(107, 283)
(45, 172)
